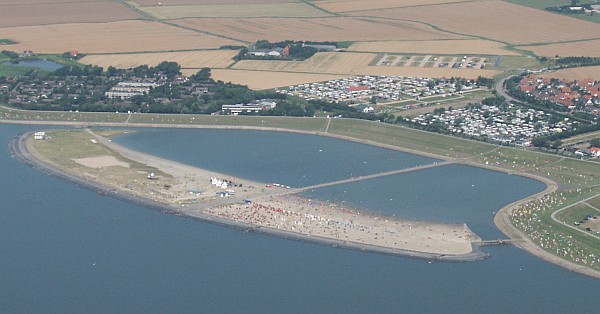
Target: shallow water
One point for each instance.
(66, 249)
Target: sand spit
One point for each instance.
(276, 211)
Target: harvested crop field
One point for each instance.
(266, 80)
(589, 48)
(294, 9)
(322, 62)
(323, 29)
(187, 59)
(354, 64)
(339, 6)
(19, 2)
(45, 12)
(184, 2)
(470, 46)
(498, 20)
(125, 36)
(592, 72)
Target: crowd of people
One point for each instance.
(316, 218)
(530, 218)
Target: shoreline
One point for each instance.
(501, 219)
(18, 148)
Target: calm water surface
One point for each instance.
(39, 64)
(66, 249)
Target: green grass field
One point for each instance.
(10, 70)
(407, 138)
(575, 214)
(303, 124)
(6, 41)
(595, 202)
(65, 146)
(511, 62)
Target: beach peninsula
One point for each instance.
(90, 159)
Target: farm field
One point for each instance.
(322, 29)
(113, 37)
(13, 2)
(187, 59)
(465, 46)
(491, 19)
(589, 48)
(188, 2)
(578, 73)
(292, 9)
(54, 12)
(340, 6)
(542, 4)
(354, 64)
(266, 79)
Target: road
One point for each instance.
(500, 91)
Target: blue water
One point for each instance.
(40, 64)
(292, 159)
(447, 194)
(69, 250)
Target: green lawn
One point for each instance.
(575, 214)
(6, 41)
(304, 124)
(595, 202)
(407, 138)
(510, 62)
(574, 172)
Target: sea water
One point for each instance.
(67, 249)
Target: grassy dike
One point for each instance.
(530, 221)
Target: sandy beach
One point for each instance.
(295, 214)
(273, 210)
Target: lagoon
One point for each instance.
(39, 64)
(66, 249)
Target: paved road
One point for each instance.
(499, 87)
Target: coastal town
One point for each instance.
(581, 95)
(142, 89)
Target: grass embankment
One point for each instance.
(410, 139)
(7, 113)
(302, 124)
(565, 240)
